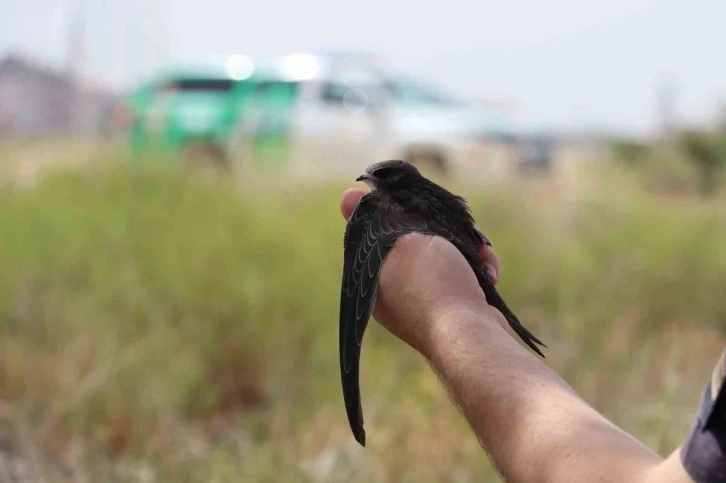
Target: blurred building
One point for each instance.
(38, 101)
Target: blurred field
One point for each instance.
(155, 327)
(24, 162)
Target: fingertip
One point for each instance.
(493, 274)
(491, 261)
(350, 200)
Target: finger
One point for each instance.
(491, 261)
(350, 200)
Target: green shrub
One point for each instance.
(707, 152)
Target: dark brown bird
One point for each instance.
(402, 201)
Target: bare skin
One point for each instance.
(532, 424)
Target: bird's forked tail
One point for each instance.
(495, 300)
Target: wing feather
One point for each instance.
(371, 232)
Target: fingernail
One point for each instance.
(493, 273)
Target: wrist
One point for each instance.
(454, 323)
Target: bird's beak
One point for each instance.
(368, 179)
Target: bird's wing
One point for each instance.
(372, 230)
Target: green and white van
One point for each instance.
(327, 113)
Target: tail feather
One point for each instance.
(525, 335)
(496, 301)
(353, 407)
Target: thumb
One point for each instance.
(349, 201)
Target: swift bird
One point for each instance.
(402, 201)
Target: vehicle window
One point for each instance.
(355, 99)
(334, 92)
(417, 92)
(350, 84)
(208, 85)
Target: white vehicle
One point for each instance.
(339, 113)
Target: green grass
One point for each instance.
(159, 328)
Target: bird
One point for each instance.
(401, 201)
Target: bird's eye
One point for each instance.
(383, 173)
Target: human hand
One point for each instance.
(423, 280)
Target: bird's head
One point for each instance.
(388, 175)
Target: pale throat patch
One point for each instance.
(371, 184)
(718, 376)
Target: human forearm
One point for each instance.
(530, 421)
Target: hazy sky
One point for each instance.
(571, 63)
